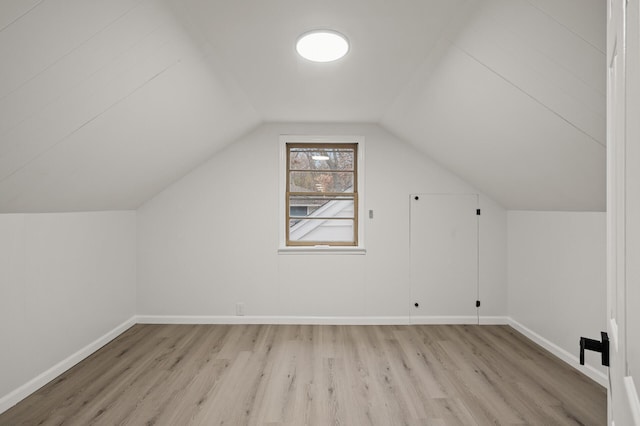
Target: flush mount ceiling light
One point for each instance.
(322, 45)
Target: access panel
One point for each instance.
(444, 258)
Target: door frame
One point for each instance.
(623, 99)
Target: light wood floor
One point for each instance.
(321, 375)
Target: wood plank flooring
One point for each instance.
(280, 375)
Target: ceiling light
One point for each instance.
(319, 157)
(322, 46)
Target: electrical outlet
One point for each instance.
(240, 309)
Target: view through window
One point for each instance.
(322, 194)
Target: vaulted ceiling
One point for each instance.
(104, 103)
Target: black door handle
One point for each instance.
(596, 346)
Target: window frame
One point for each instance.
(353, 194)
(283, 217)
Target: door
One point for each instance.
(623, 208)
(444, 258)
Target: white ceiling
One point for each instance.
(104, 103)
(255, 41)
(514, 102)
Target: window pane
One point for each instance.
(311, 206)
(316, 181)
(321, 230)
(298, 211)
(321, 158)
(321, 193)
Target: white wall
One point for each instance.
(67, 279)
(557, 276)
(210, 240)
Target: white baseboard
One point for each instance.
(42, 379)
(320, 320)
(253, 319)
(437, 320)
(567, 357)
(471, 320)
(496, 320)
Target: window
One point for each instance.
(321, 193)
(322, 196)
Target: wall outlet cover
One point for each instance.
(239, 309)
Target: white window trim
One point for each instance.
(320, 249)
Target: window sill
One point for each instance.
(322, 250)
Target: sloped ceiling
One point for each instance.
(514, 102)
(104, 103)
